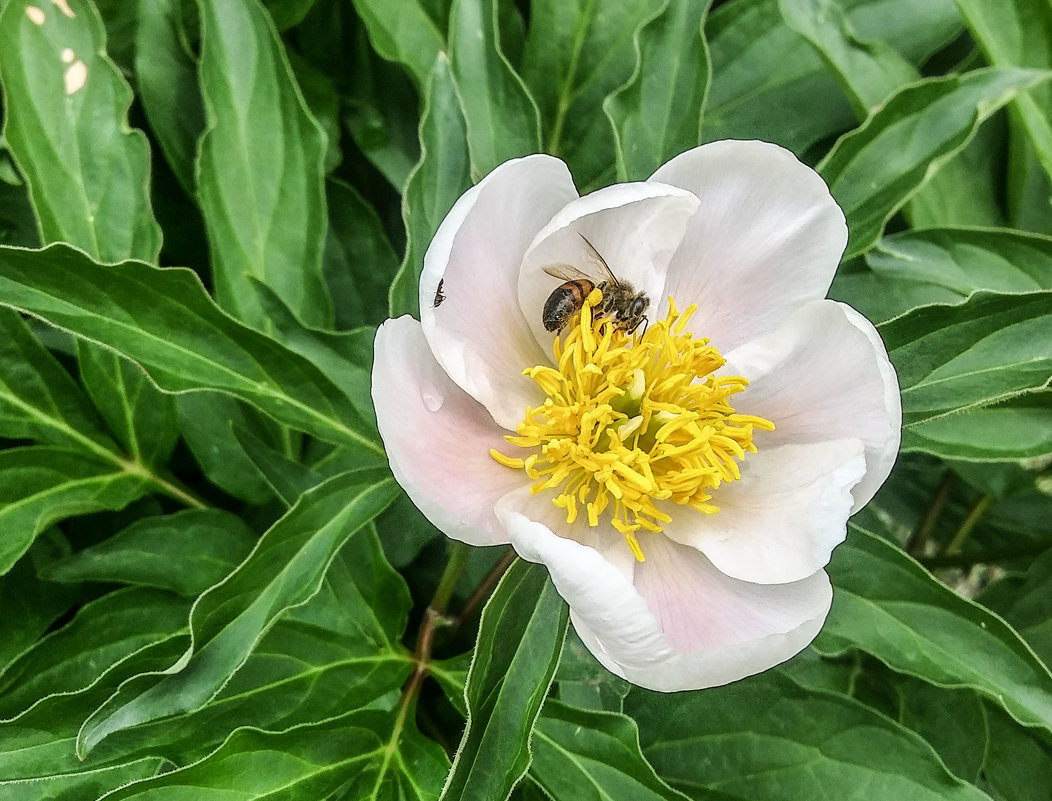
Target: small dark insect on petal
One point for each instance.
(439, 296)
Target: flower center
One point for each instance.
(632, 423)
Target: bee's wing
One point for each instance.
(600, 262)
(566, 272)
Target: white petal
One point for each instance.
(824, 375)
(477, 332)
(684, 625)
(636, 228)
(767, 238)
(781, 521)
(437, 438)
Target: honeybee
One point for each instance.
(621, 301)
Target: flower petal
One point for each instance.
(683, 625)
(474, 325)
(438, 438)
(781, 521)
(635, 228)
(767, 238)
(824, 375)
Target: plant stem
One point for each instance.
(485, 587)
(969, 523)
(919, 539)
(434, 617)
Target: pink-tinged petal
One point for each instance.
(604, 538)
(824, 375)
(468, 287)
(782, 520)
(635, 228)
(683, 625)
(608, 613)
(767, 238)
(725, 629)
(438, 438)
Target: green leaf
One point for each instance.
(1025, 601)
(66, 124)
(260, 167)
(143, 420)
(576, 54)
(103, 633)
(657, 114)
(339, 651)
(28, 605)
(440, 177)
(916, 30)
(404, 33)
(164, 320)
(889, 606)
(868, 71)
(766, 739)
(285, 569)
(88, 783)
(18, 224)
(41, 485)
(381, 122)
(1018, 765)
(953, 722)
(89, 177)
(583, 754)
(208, 422)
(359, 260)
(39, 400)
(307, 762)
(346, 356)
(286, 478)
(502, 119)
(875, 169)
(1018, 33)
(287, 13)
(990, 348)
(1019, 429)
(586, 684)
(763, 74)
(944, 265)
(186, 552)
(166, 77)
(968, 189)
(520, 638)
(346, 757)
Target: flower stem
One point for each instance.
(434, 617)
(919, 539)
(485, 586)
(458, 559)
(969, 523)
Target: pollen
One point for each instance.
(633, 425)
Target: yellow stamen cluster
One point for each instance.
(632, 421)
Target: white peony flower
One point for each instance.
(684, 482)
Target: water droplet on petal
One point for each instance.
(432, 397)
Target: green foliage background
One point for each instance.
(211, 586)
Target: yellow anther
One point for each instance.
(632, 423)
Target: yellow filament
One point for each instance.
(632, 423)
